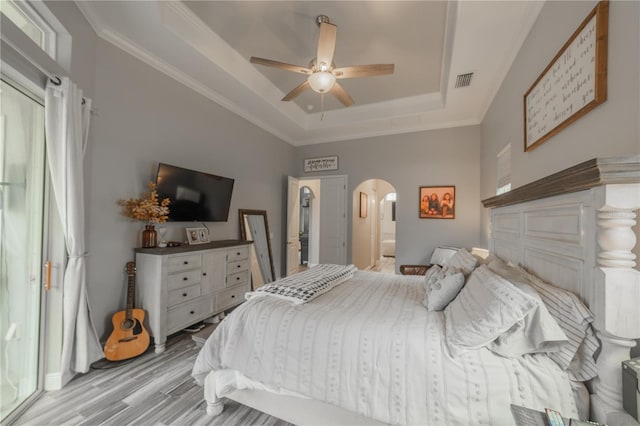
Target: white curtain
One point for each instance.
(66, 127)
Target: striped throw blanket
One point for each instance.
(305, 286)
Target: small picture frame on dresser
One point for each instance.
(197, 236)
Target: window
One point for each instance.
(31, 23)
(504, 171)
(22, 196)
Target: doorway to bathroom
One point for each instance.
(374, 226)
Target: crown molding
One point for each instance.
(133, 49)
(256, 99)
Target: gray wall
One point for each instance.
(611, 129)
(84, 39)
(144, 118)
(408, 161)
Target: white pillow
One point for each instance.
(442, 287)
(574, 318)
(431, 275)
(441, 254)
(486, 307)
(463, 260)
(538, 332)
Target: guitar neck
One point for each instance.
(131, 274)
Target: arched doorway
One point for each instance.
(374, 226)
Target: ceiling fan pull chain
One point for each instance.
(321, 106)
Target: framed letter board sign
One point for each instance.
(573, 83)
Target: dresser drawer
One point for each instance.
(230, 297)
(184, 315)
(237, 279)
(235, 267)
(183, 294)
(184, 262)
(238, 253)
(184, 279)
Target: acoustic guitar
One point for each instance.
(129, 338)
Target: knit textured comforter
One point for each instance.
(371, 347)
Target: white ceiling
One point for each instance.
(206, 45)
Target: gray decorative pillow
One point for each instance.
(431, 276)
(463, 260)
(487, 306)
(442, 288)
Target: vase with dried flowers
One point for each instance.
(148, 209)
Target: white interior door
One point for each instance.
(293, 225)
(333, 220)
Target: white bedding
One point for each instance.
(371, 347)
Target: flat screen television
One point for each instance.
(195, 196)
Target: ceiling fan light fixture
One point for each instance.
(321, 81)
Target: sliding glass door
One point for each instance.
(22, 189)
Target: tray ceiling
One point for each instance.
(206, 45)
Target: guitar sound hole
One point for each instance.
(128, 324)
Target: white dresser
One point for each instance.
(180, 286)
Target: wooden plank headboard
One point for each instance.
(574, 229)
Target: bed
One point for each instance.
(573, 229)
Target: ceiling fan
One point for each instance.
(322, 72)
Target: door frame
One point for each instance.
(345, 228)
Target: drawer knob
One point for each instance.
(186, 262)
(237, 278)
(204, 274)
(238, 254)
(184, 294)
(233, 296)
(238, 266)
(192, 312)
(185, 279)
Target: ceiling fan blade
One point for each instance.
(326, 43)
(342, 95)
(297, 91)
(280, 65)
(357, 71)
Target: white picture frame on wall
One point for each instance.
(321, 164)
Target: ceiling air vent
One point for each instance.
(464, 80)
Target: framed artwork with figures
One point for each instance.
(437, 202)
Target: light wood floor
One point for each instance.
(150, 390)
(386, 265)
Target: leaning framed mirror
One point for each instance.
(254, 226)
